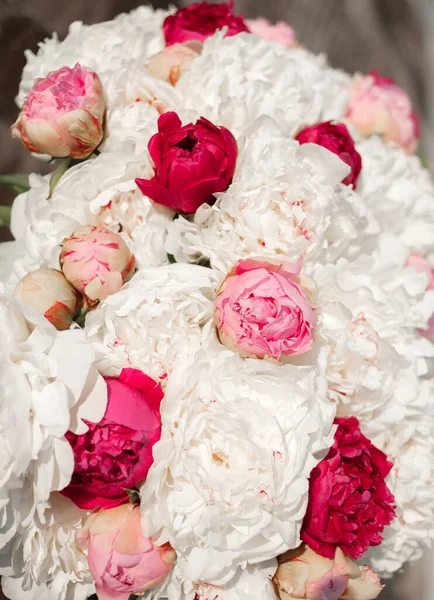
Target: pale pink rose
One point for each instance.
(96, 261)
(378, 106)
(50, 293)
(263, 311)
(304, 574)
(170, 63)
(122, 561)
(63, 114)
(423, 266)
(281, 32)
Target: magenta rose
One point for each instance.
(116, 453)
(200, 21)
(263, 311)
(192, 163)
(349, 501)
(338, 140)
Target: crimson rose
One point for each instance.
(200, 21)
(116, 453)
(338, 140)
(349, 501)
(191, 163)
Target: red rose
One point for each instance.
(116, 453)
(191, 163)
(349, 501)
(338, 140)
(200, 21)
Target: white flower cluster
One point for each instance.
(228, 487)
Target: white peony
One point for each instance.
(156, 316)
(230, 478)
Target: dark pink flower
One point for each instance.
(116, 453)
(349, 501)
(200, 21)
(192, 163)
(338, 140)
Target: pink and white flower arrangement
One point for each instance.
(216, 329)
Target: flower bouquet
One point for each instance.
(216, 320)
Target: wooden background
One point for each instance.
(396, 37)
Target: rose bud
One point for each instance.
(378, 106)
(50, 293)
(304, 574)
(200, 21)
(338, 140)
(281, 33)
(170, 63)
(122, 561)
(263, 311)
(96, 261)
(63, 114)
(191, 163)
(423, 266)
(349, 502)
(116, 454)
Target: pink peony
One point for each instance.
(338, 140)
(116, 453)
(192, 163)
(262, 310)
(281, 33)
(304, 574)
(378, 106)
(423, 266)
(200, 21)
(349, 501)
(50, 293)
(63, 114)
(96, 261)
(121, 560)
(170, 63)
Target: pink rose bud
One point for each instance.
(96, 261)
(280, 33)
(338, 140)
(63, 114)
(50, 293)
(423, 266)
(192, 163)
(200, 21)
(170, 63)
(116, 454)
(122, 561)
(304, 574)
(378, 106)
(262, 310)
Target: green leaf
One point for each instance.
(425, 163)
(133, 495)
(19, 182)
(171, 259)
(5, 216)
(58, 173)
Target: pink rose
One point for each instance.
(96, 261)
(170, 63)
(304, 574)
(50, 293)
(122, 561)
(116, 453)
(262, 310)
(63, 114)
(378, 106)
(281, 33)
(423, 266)
(192, 163)
(338, 140)
(349, 501)
(200, 21)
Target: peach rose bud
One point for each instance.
(63, 114)
(170, 63)
(97, 262)
(50, 293)
(304, 574)
(122, 561)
